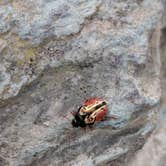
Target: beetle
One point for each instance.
(93, 110)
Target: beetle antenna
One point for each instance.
(73, 113)
(65, 117)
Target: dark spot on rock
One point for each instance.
(31, 60)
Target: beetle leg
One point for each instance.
(90, 127)
(114, 117)
(84, 128)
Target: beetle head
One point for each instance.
(78, 121)
(75, 123)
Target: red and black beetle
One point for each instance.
(92, 110)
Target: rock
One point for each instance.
(56, 54)
(123, 41)
(153, 152)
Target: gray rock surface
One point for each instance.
(154, 151)
(55, 54)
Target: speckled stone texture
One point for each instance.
(153, 152)
(54, 54)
